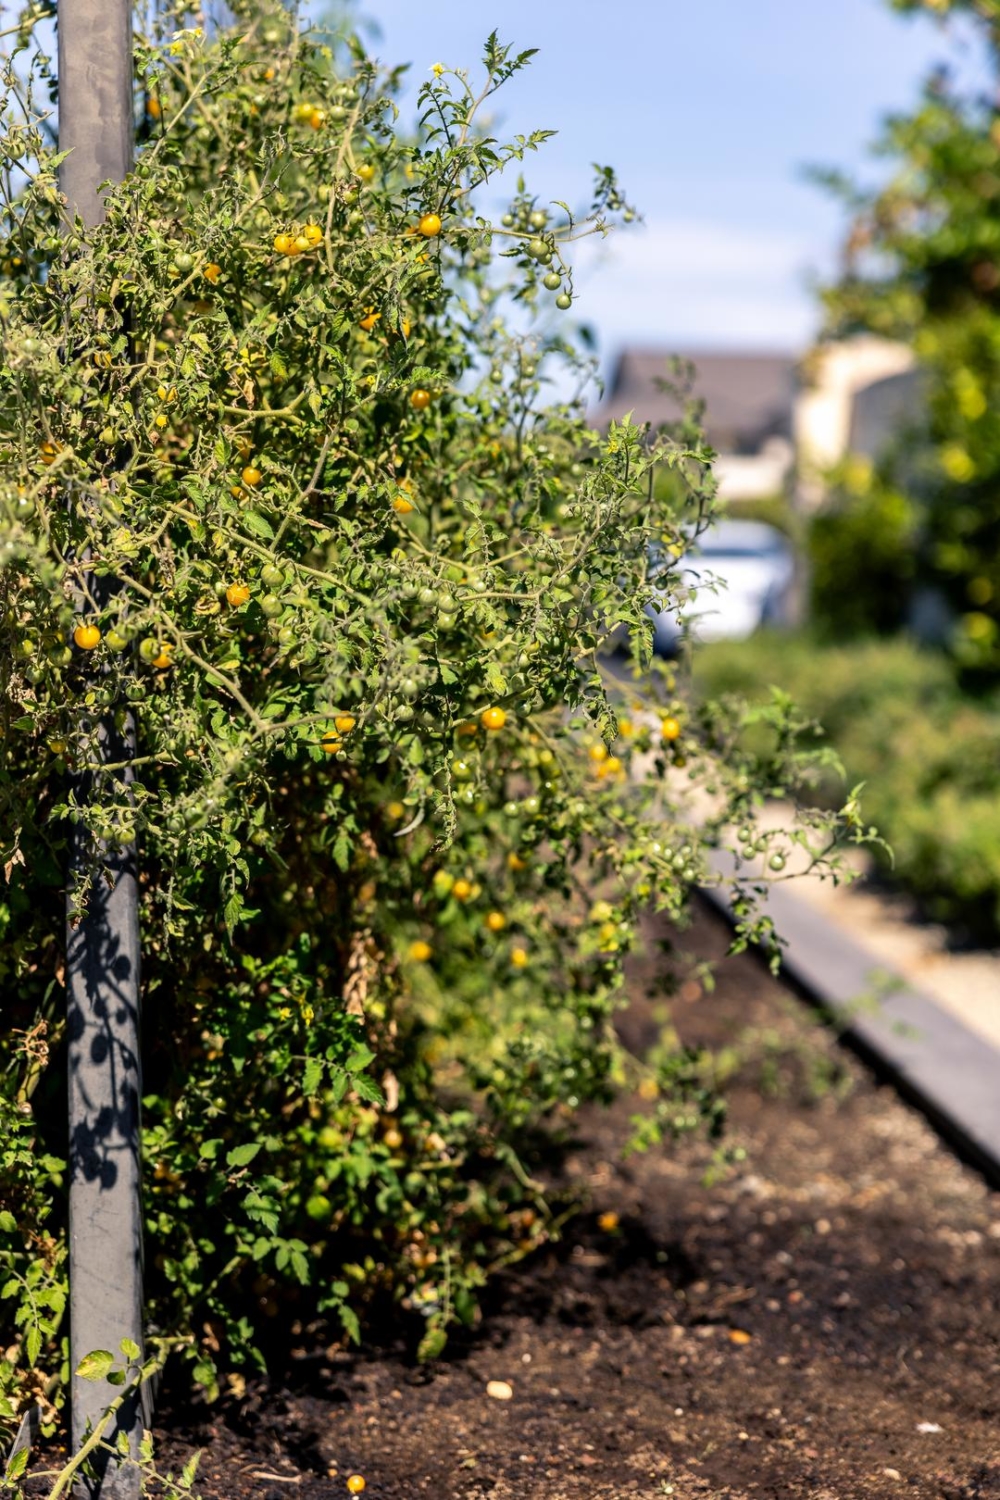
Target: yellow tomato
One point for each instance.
(395, 810)
(237, 594)
(515, 862)
(366, 171)
(304, 112)
(420, 951)
(154, 109)
(212, 272)
(87, 637)
(496, 921)
(369, 320)
(344, 723)
(461, 890)
(48, 453)
(493, 719)
(420, 399)
(159, 420)
(313, 233)
(608, 1222)
(282, 244)
(519, 958)
(251, 477)
(402, 505)
(429, 226)
(670, 728)
(331, 743)
(301, 244)
(164, 657)
(317, 119)
(598, 753)
(355, 1483)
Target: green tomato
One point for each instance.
(271, 605)
(564, 301)
(271, 577)
(115, 640)
(461, 770)
(184, 262)
(537, 248)
(319, 1206)
(538, 219)
(553, 281)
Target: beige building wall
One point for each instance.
(832, 376)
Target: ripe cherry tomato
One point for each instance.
(251, 477)
(366, 171)
(283, 244)
(313, 233)
(670, 728)
(369, 320)
(402, 505)
(48, 453)
(356, 1482)
(429, 226)
(420, 952)
(519, 958)
(493, 718)
(420, 399)
(331, 743)
(164, 657)
(344, 723)
(237, 594)
(87, 637)
(461, 890)
(496, 921)
(212, 272)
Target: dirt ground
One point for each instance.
(823, 1323)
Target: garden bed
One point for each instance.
(823, 1322)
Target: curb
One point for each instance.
(948, 1072)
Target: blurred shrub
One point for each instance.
(929, 757)
(862, 560)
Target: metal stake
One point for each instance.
(102, 963)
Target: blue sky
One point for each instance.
(708, 109)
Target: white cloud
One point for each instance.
(696, 283)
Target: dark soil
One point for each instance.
(787, 1332)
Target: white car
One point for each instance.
(751, 566)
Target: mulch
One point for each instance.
(821, 1322)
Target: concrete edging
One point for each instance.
(950, 1073)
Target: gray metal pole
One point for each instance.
(102, 960)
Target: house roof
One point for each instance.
(748, 396)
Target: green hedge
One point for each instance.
(929, 757)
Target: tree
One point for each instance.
(397, 822)
(922, 265)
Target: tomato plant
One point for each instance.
(355, 588)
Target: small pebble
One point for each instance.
(499, 1390)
